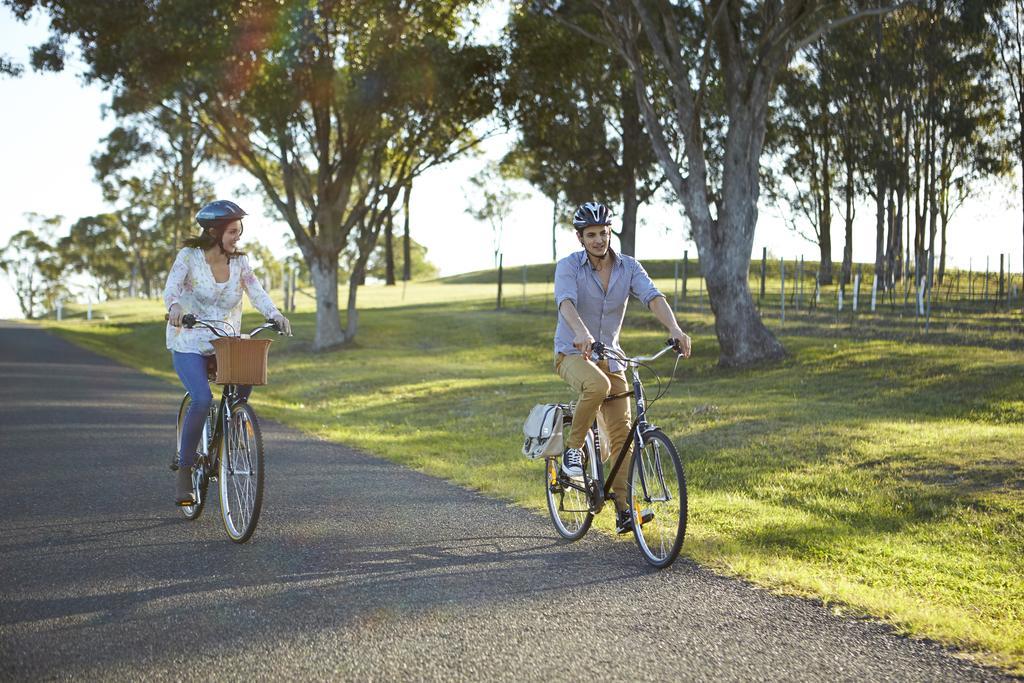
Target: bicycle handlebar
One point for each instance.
(602, 352)
(189, 321)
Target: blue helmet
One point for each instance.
(219, 212)
(591, 213)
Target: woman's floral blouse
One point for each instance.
(191, 285)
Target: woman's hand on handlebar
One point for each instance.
(175, 314)
(284, 326)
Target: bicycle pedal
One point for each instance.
(646, 516)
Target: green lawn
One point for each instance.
(877, 469)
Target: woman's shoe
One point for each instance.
(183, 487)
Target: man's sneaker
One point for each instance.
(624, 520)
(572, 462)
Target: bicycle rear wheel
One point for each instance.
(200, 482)
(568, 505)
(241, 474)
(657, 494)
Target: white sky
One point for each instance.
(52, 124)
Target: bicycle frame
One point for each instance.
(228, 398)
(637, 429)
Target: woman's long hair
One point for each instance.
(214, 236)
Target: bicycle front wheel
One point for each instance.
(241, 474)
(568, 503)
(657, 494)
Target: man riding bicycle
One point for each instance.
(591, 290)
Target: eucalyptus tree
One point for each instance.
(33, 265)
(96, 246)
(954, 110)
(580, 135)
(722, 60)
(804, 136)
(331, 106)
(1008, 23)
(151, 183)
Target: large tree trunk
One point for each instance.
(631, 140)
(627, 236)
(554, 230)
(825, 216)
(848, 220)
(323, 270)
(742, 336)
(724, 246)
(932, 207)
(351, 312)
(825, 256)
(881, 192)
(365, 239)
(893, 246)
(942, 250)
(188, 166)
(406, 243)
(724, 240)
(389, 250)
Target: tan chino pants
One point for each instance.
(593, 381)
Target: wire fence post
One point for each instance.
(1009, 281)
(295, 286)
(984, 296)
(922, 283)
(782, 291)
(675, 287)
(524, 286)
(856, 290)
(799, 282)
(686, 271)
(1001, 276)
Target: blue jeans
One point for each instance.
(191, 369)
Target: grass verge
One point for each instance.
(875, 469)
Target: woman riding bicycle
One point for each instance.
(207, 280)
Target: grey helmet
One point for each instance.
(219, 212)
(590, 213)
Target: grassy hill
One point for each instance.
(878, 469)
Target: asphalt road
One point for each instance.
(360, 569)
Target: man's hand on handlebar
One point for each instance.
(680, 341)
(584, 343)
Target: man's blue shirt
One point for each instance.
(602, 312)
